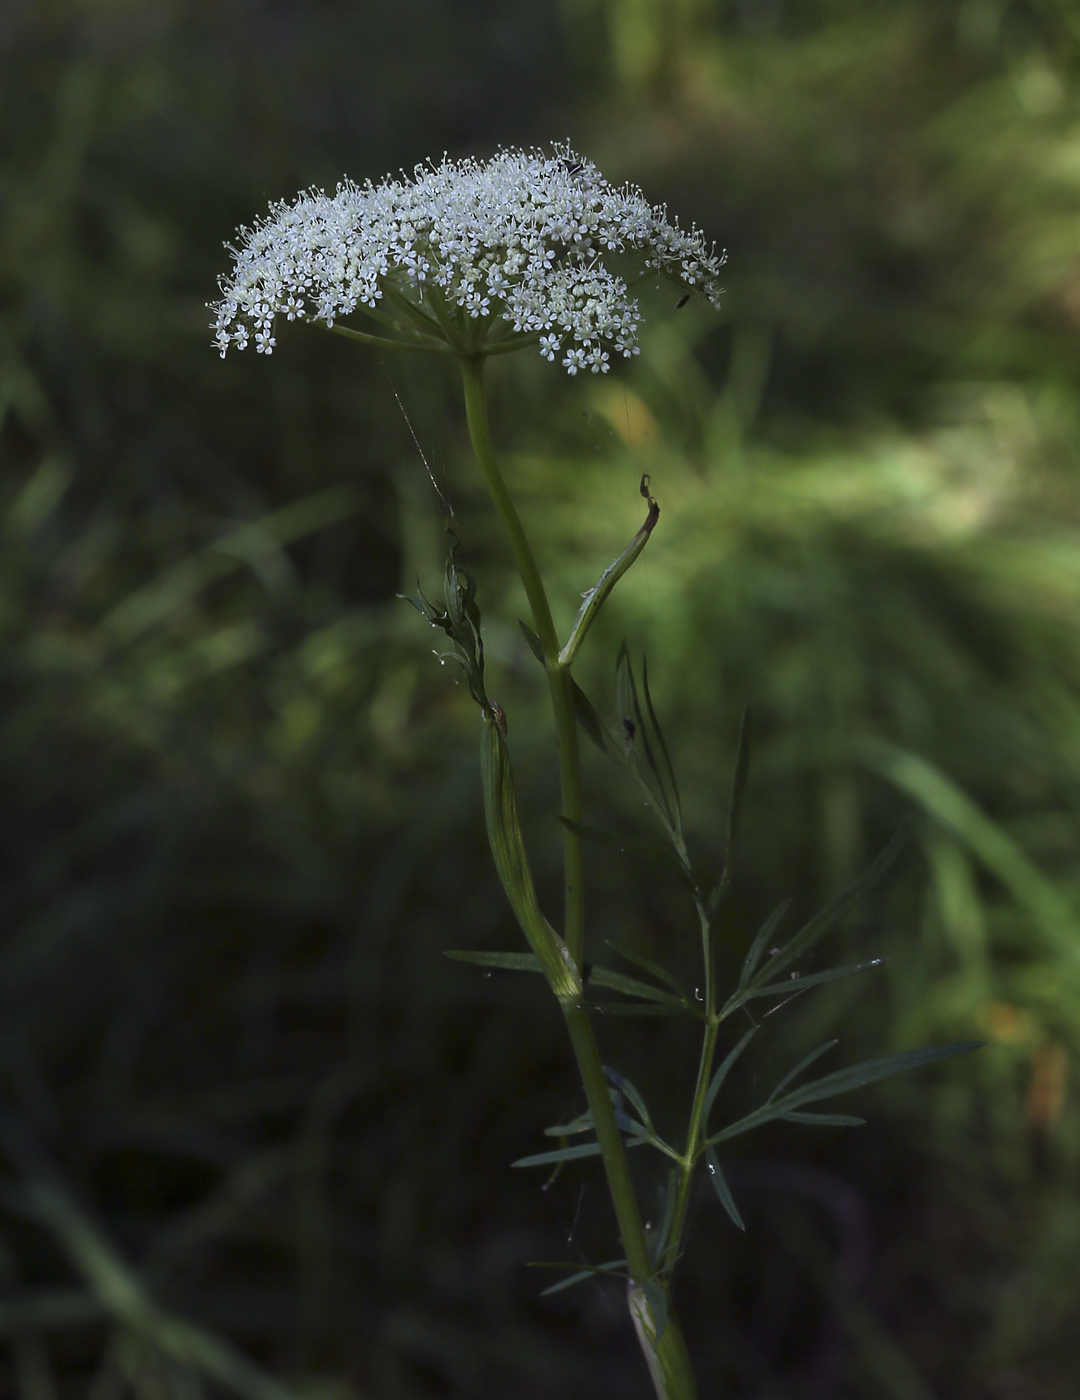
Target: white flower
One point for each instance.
(481, 252)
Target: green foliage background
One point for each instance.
(241, 811)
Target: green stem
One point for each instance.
(693, 1137)
(429, 345)
(668, 1361)
(560, 684)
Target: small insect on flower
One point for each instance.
(475, 257)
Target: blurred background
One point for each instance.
(255, 1128)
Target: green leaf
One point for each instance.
(594, 599)
(559, 1154)
(638, 1008)
(764, 934)
(581, 1124)
(798, 982)
(716, 1176)
(822, 922)
(534, 642)
(628, 1090)
(580, 1274)
(738, 789)
(647, 965)
(512, 863)
(804, 1063)
(845, 1080)
(509, 962)
(722, 1073)
(658, 1306)
(668, 766)
(668, 1197)
(594, 726)
(643, 845)
(631, 987)
(569, 1154)
(824, 1120)
(634, 736)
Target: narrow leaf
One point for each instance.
(658, 1306)
(797, 981)
(668, 1196)
(824, 1120)
(842, 1082)
(582, 1124)
(509, 962)
(845, 1080)
(641, 1008)
(631, 987)
(579, 1276)
(593, 601)
(634, 736)
(633, 1094)
(560, 1154)
(822, 922)
(738, 791)
(722, 1073)
(570, 1154)
(716, 1176)
(594, 726)
(647, 965)
(512, 863)
(534, 642)
(761, 939)
(668, 766)
(643, 845)
(804, 1063)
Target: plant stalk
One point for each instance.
(667, 1359)
(559, 682)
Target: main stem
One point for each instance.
(668, 1361)
(559, 682)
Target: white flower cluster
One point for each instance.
(520, 238)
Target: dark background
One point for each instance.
(240, 816)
